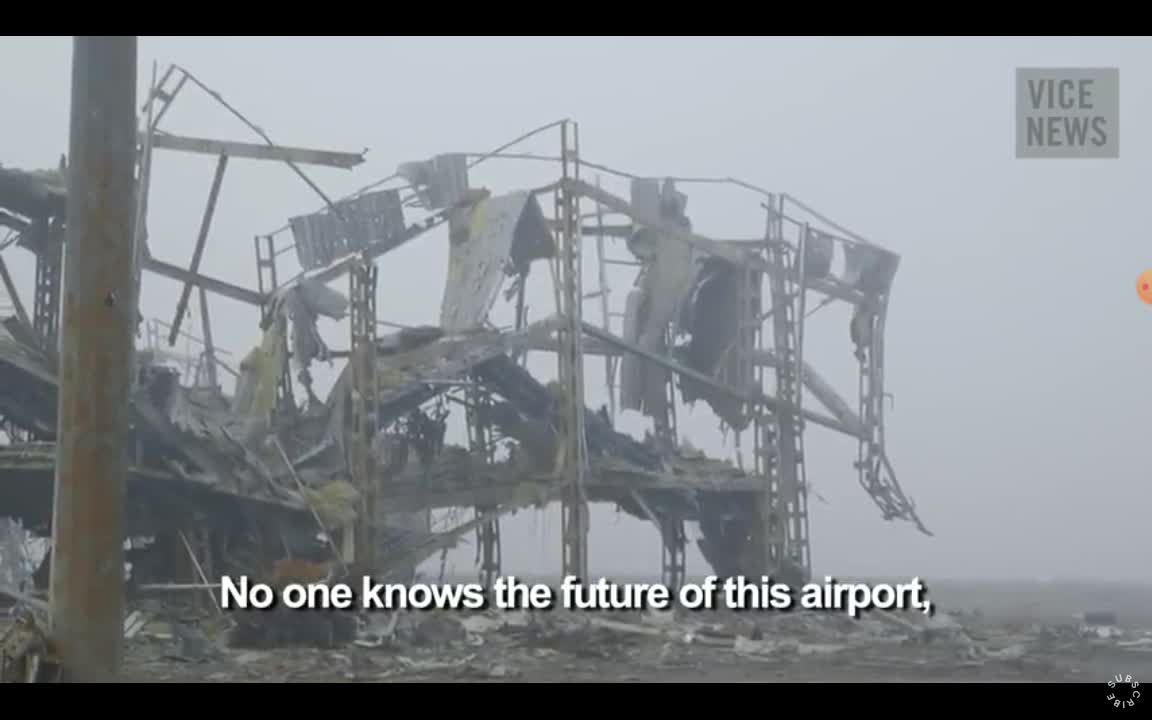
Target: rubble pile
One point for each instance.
(165, 642)
(187, 638)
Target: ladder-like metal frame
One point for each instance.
(673, 536)
(574, 522)
(604, 294)
(780, 456)
(482, 448)
(49, 271)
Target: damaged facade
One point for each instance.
(231, 482)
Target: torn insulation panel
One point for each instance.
(303, 303)
(653, 310)
(495, 238)
(724, 300)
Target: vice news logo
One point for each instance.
(1068, 113)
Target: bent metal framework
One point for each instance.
(237, 466)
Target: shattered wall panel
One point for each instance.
(490, 238)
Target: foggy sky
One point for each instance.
(1017, 351)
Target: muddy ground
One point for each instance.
(986, 632)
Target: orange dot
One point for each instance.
(1144, 286)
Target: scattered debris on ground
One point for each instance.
(186, 644)
(192, 641)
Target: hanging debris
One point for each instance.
(496, 238)
(440, 182)
(325, 236)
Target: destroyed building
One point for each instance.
(227, 482)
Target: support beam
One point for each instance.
(209, 345)
(166, 97)
(87, 585)
(198, 251)
(574, 462)
(252, 151)
(14, 295)
(813, 381)
(211, 284)
(478, 409)
(268, 140)
(751, 397)
(13, 223)
(780, 454)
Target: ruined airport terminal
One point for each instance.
(238, 463)
(368, 352)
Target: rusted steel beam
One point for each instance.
(198, 251)
(252, 151)
(211, 284)
(87, 583)
(13, 223)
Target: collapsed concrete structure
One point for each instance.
(228, 482)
